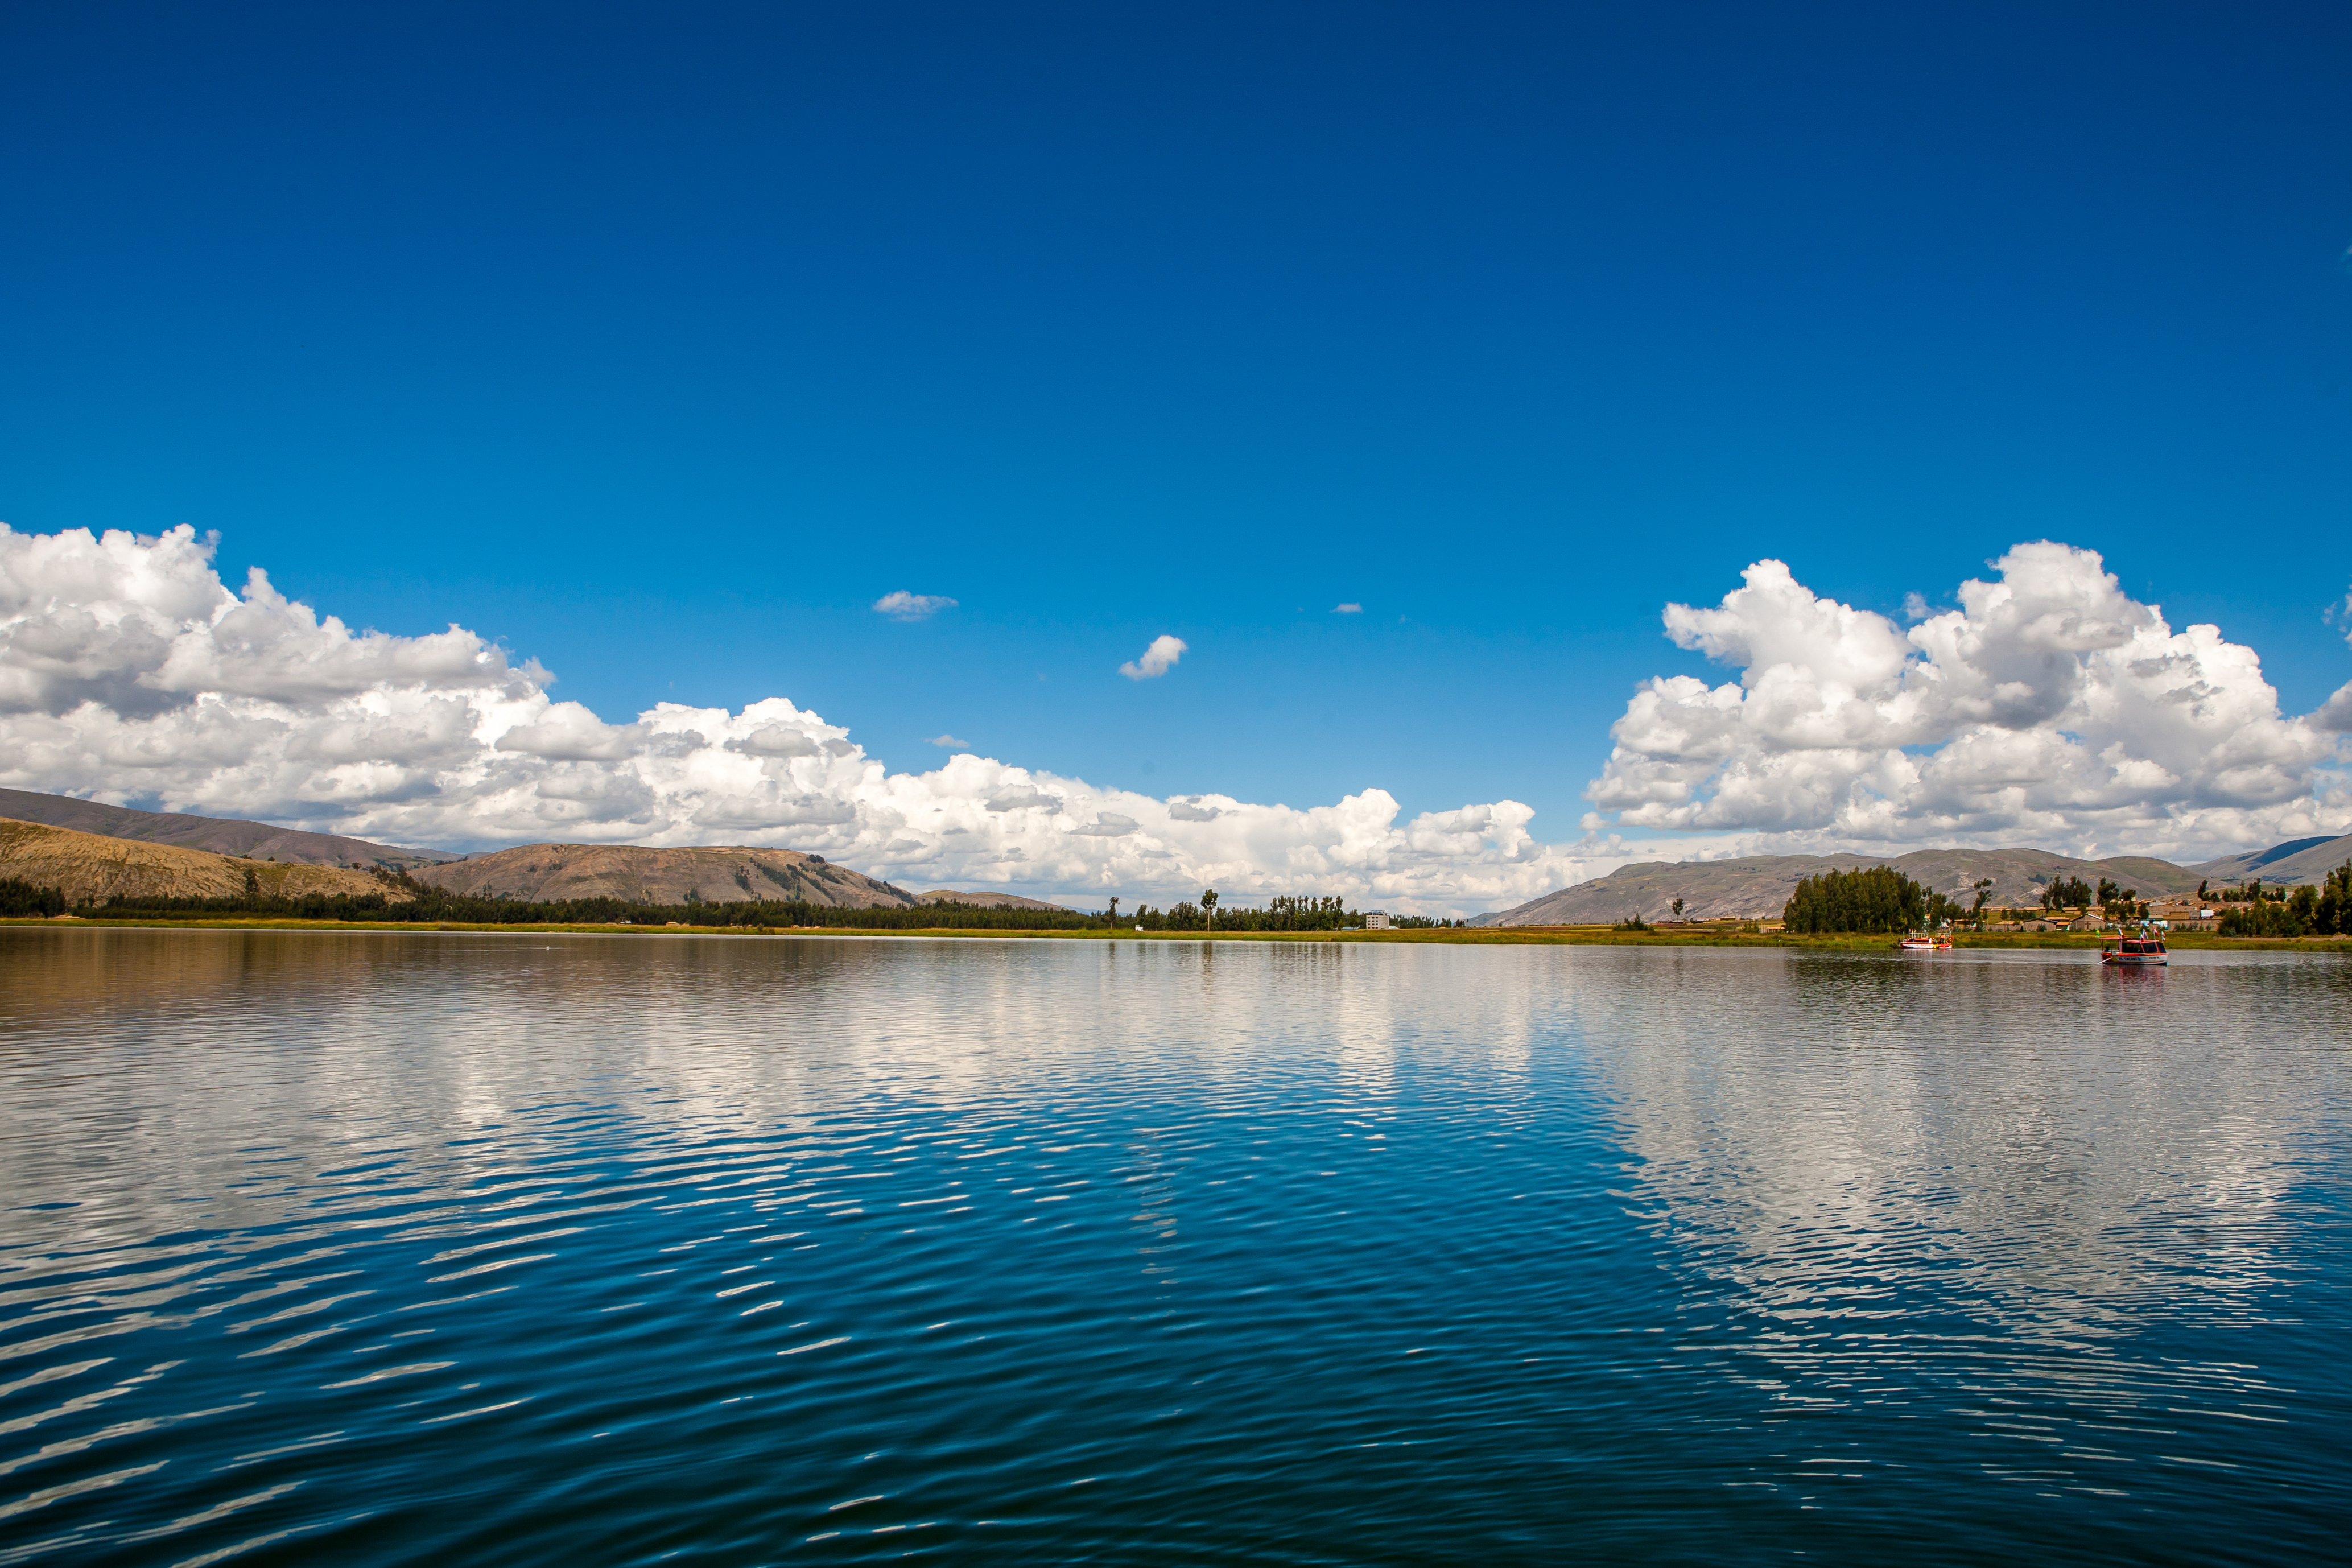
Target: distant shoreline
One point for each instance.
(1471, 936)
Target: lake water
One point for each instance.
(387, 1249)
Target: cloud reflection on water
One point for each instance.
(2045, 1147)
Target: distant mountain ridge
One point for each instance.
(547, 873)
(2291, 864)
(1746, 888)
(95, 867)
(219, 834)
(1758, 886)
(534, 873)
(984, 899)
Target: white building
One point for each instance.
(1376, 919)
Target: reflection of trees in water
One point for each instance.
(1151, 1168)
(2036, 1146)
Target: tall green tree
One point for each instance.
(2265, 917)
(2066, 893)
(1876, 898)
(2333, 916)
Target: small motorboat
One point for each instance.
(2142, 952)
(1925, 945)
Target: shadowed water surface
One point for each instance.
(588, 1250)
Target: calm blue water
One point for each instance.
(385, 1248)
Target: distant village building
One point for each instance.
(1376, 919)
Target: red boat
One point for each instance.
(2141, 951)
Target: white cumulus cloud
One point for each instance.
(2050, 709)
(129, 673)
(1347, 609)
(902, 606)
(1157, 660)
(949, 742)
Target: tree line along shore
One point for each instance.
(952, 921)
(1880, 899)
(402, 900)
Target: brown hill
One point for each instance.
(2298, 861)
(726, 875)
(988, 901)
(92, 867)
(222, 836)
(1758, 886)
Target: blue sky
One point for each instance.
(658, 345)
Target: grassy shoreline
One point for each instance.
(1476, 936)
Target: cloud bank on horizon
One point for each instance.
(2050, 709)
(130, 672)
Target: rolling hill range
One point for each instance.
(1758, 886)
(222, 836)
(2291, 864)
(196, 857)
(988, 901)
(535, 872)
(91, 866)
(549, 872)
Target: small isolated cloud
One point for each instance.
(905, 606)
(1158, 659)
(1347, 609)
(949, 742)
(1915, 607)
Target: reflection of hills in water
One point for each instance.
(2023, 1146)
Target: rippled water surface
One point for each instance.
(605, 1250)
